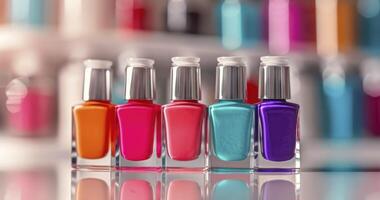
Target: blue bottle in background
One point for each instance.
(341, 99)
(239, 23)
(28, 12)
(231, 120)
(369, 26)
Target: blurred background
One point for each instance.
(334, 46)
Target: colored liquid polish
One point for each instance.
(341, 100)
(239, 23)
(139, 118)
(277, 145)
(94, 128)
(185, 118)
(231, 120)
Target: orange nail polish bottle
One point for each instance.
(94, 122)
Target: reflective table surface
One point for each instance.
(58, 181)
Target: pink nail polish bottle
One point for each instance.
(139, 119)
(185, 118)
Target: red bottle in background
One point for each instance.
(131, 14)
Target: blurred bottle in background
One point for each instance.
(369, 26)
(341, 93)
(369, 42)
(36, 13)
(182, 16)
(132, 14)
(289, 25)
(371, 88)
(239, 23)
(341, 99)
(30, 96)
(3, 11)
(86, 17)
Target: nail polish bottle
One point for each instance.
(185, 119)
(277, 139)
(231, 121)
(94, 123)
(139, 118)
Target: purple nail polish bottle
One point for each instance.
(277, 139)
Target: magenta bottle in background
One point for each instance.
(277, 148)
(185, 118)
(371, 89)
(30, 96)
(139, 118)
(290, 25)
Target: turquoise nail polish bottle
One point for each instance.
(231, 120)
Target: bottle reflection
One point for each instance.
(137, 185)
(95, 185)
(277, 186)
(184, 186)
(28, 185)
(136, 189)
(92, 188)
(184, 189)
(226, 186)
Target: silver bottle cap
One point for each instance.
(185, 79)
(97, 80)
(140, 79)
(274, 78)
(230, 78)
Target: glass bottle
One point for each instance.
(94, 123)
(139, 118)
(231, 120)
(185, 118)
(277, 139)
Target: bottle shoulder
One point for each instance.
(138, 105)
(94, 104)
(184, 104)
(231, 104)
(278, 104)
